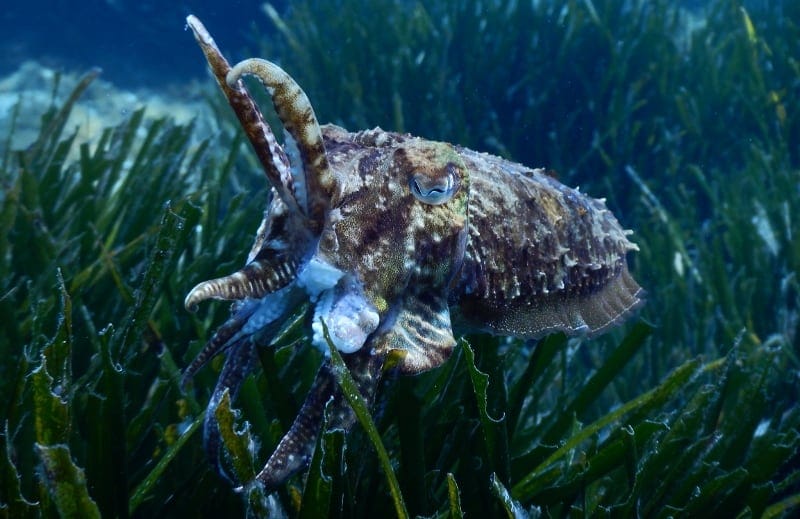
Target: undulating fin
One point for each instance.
(297, 115)
(269, 152)
(588, 314)
(611, 305)
(421, 333)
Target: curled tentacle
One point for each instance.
(257, 279)
(272, 157)
(297, 115)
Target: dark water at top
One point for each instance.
(136, 43)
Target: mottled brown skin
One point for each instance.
(405, 241)
(406, 253)
(382, 236)
(557, 264)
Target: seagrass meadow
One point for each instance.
(687, 122)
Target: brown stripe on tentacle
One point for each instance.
(269, 153)
(295, 111)
(258, 278)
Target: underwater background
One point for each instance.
(120, 190)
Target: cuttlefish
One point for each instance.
(392, 242)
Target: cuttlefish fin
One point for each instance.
(422, 336)
(577, 315)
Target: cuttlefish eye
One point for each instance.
(437, 190)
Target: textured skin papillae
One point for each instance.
(391, 241)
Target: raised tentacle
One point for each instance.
(297, 115)
(272, 157)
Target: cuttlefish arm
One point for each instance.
(253, 323)
(269, 268)
(325, 400)
(269, 153)
(420, 339)
(239, 363)
(271, 265)
(312, 172)
(263, 289)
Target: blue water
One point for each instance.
(136, 43)
(140, 43)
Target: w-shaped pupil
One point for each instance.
(436, 194)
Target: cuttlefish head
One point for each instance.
(368, 236)
(396, 232)
(381, 228)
